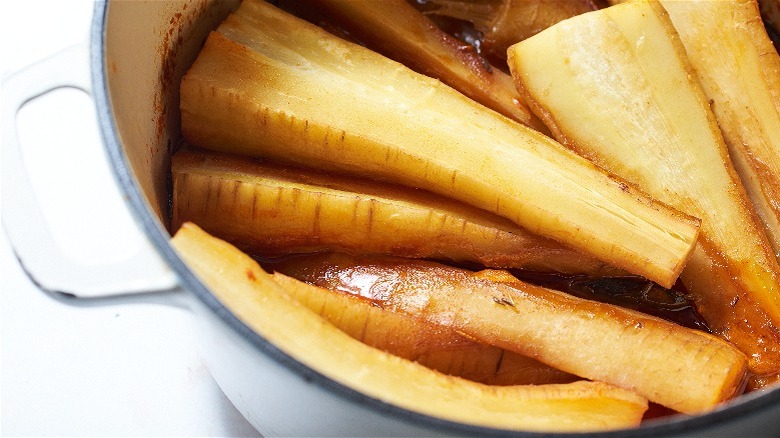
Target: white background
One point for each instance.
(115, 370)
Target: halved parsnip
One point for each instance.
(264, 306)
(687, 370)
(739, 71)
(267, 210)
(616, 86)
(412, 39)
(269, 84)
(435, 346)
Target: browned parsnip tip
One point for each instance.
(770, 13)
(505, 22)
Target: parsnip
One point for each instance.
(505, 22)
(264, 306)
(687, 370)
(267, 210)
(739, 71)
(435, 346)
(409, 37)
(616, 86)
(268, 84)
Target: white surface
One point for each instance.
(109, 370)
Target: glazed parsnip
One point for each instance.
(435, 346)
(412, 39)
(686, 370)
(620, 91)
(739, 71)
(266, 209)
(265, 307)
(268, 84)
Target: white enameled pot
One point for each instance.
(138, 52)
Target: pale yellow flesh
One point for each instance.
(686, 370)
(411, 38)
(739, 71)
(620, 91)
(298, 94)
(268, 210)
(264, 306)
(435, 346)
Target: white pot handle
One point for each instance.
(22, 218)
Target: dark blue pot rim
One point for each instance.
(751, 404)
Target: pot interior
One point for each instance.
(148, 48)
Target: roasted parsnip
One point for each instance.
(265, 307)
(412, 39)
(435, 346)
(269, 84)
(505, 22)
(739, 71)
(267, 210)
(616, 86)
(686, 370)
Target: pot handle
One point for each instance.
(23, 220)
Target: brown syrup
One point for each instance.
(635, 293)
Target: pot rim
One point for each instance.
(744, 406)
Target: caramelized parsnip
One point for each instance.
(435, 346)
(266, 210)
(505, 22)
(265, 307)
(269, 84)
(686, 370)
(739, 71)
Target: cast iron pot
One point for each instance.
(136, 57)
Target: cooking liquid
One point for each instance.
(635, 293)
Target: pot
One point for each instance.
(132, 67)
